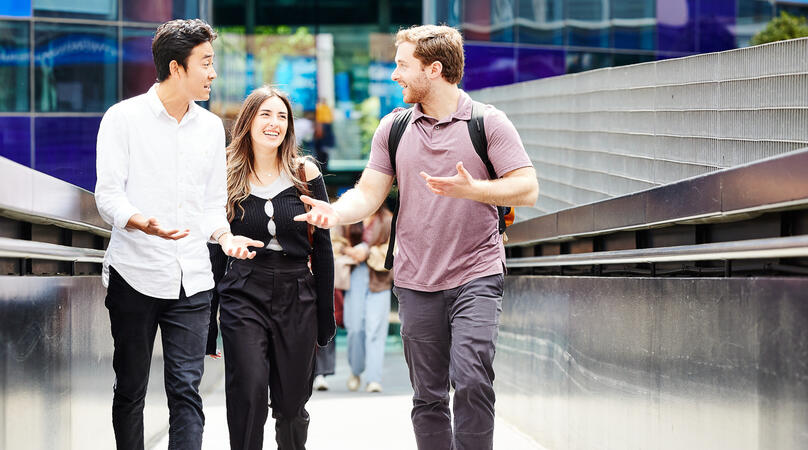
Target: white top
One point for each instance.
(147, 163)
(267, 193)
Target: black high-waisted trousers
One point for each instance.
(269, 330)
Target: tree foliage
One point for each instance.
(782, 28)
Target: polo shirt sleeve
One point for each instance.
(214, 215)
(505, 148)
(379, 155)
(112, 170)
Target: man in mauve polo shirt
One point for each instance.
(449, 257)
(161, 184)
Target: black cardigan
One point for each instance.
(293, 237)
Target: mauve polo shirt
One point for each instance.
(445, 242)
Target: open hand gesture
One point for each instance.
(236, 246)
(321, 214)
(460, 185)
(152, 226)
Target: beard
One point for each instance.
(418, 90)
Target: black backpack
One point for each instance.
(476, 133)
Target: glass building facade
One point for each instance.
(509, 41)
(335, 53)
(62, 64)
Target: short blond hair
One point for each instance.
(437, 43)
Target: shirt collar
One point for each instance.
(463, 111)
(156, 105)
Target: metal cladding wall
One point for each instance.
(56, 373)
(664, 363)
(610, 132)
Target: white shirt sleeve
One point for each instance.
(112, 169)
(214, 215)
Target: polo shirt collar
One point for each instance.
(157, 106)
(463, 111)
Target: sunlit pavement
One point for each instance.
(344, 420)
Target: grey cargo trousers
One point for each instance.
(450, 336)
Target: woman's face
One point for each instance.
(269, 125)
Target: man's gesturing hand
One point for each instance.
(152, 226)
(321, 214)
(461, 185)
(236, 246)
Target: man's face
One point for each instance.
(410, 74)
(199, 74)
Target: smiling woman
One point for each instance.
(275, 307)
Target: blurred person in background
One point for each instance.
(367, 301)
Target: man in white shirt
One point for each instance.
(161, 184)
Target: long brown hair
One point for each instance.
(240, 156)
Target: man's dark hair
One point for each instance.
(174, 41)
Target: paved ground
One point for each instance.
(343, 420)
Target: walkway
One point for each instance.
(343, 420)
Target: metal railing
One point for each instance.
(20, 248)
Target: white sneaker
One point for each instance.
(320, 383)
(353, 382)
(374, 387)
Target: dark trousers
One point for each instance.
(184, 328)
(450, 336)
(269, 331)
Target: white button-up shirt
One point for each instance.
(148, 163)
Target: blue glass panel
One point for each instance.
(502, 21)
(634, 24)
(15, 139)
(159, 10)
(14, 66)
(534, 63)
(138, 63)
(624, 59)
(93, 9)
(15, 8)
(489, 65)
(716, 22)
(65, 148)
(477, 20)
(582, 61)
(752, 17)
(676, 29)
(541, 22)
(76, 68)
(588, 23)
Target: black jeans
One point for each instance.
(269, 330)
(184, 328)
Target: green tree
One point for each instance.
(782, 28)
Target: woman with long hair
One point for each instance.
(274, 308)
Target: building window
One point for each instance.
(76, 68)
(14, 66)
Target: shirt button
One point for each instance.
(437, 127)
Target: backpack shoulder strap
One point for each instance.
(400, 122)
(480, 141)
(477, 134)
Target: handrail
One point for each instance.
(782, 247)
(768, 185)
(19, 248)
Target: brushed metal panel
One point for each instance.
(620, 212)
(692, 198)
(576, 220)
(774, 181)
(56, 361)
(664, 363)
